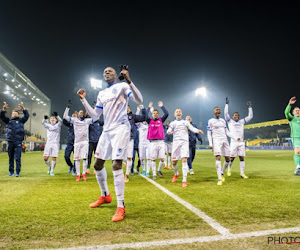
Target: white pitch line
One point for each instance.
(191, 240)
(214, 224)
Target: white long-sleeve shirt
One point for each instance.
(81, 127)
(113, 102)
(180, 130)
(53, 131)
(236, 128)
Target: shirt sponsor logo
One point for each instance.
(119, 150)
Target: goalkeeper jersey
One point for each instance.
(294, 122)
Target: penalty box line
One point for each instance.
(190, 240)
(210, 221)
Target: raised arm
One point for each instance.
(226, 112)
(287, 111)
(25, 112)
(134, 95)
(140, 118)
(2, 114)
(250, 112)
(66, 114)
(94, 113)
(166, 113)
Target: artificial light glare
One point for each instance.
(201, 91)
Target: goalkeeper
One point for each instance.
(294, 121)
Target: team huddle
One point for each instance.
(167, 143)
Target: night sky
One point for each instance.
(246, 51)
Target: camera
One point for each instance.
(122, 66)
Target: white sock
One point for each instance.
(101, 177)
(128, 166)
(153, 168)
(224, 166)
(160, 165)
(77, 166)
(148, 166)
(53, 163)
(169, 160)
(143, 164)
(84, 166)
(119, 186)
(218, 167)
(185, 170)
(166, 160)
(175, 168)
(48, 163)
(242, 167)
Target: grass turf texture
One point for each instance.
(40, 211)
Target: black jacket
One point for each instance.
(133, 119)
(14, 126)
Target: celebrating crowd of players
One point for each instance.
(114, 138)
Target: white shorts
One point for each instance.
(237, 149)
(157, 149)
(180, 149)
(81, 150)
(221, 148)
(51, 150)
(113, 144)
(168, 147)
(144, 151)
(130, 149)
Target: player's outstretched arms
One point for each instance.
(287, 110)
(226, 112)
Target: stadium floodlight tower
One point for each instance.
(201, 91)
(96, 84)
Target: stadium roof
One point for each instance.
(18, 86)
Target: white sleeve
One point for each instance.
(192, 128)
(226, 114)
(89, 121)
(133, 93)
(66, 114)
(59, 120)
(96, 112)
(45, 123)
(249, 117)
(209, 134)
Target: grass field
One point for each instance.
(40, 211)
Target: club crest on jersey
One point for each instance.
(114, 91)
(119, 150)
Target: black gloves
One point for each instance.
(227, 100)
(249, 104)
(69, 105)
(46, 117)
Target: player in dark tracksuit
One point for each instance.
(95, 131)
(135, 149)
(14, 135)
(192, 144)
(70, 146)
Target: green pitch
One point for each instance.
(40, 211)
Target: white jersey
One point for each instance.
(237, 127)
(53, 131)
(81, 127)
(143, 132)
(113, 101)
(180, 130)
(216, 130)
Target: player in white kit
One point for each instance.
(53, 138)
(180, 148)
(112, 102)
(144, 144)
(217, 133)
(236, 128)
(81, 140)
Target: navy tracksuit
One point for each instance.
(192, 145)
(70, 142)
(95, 131)
(14, 135)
